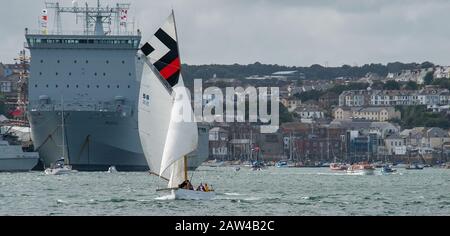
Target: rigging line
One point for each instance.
(153, 173)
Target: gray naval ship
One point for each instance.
(92, 78)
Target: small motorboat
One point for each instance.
(361, 169)
(387, 169)
(112, 169)
(282, 164)
(58, 168)
(338, 166)
(237, 168)
(257, 165)
(414, 167)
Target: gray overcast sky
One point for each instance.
(291, 32)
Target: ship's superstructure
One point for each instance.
(95, 73)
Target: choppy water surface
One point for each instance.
(268, 192)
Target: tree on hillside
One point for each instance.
(442, 83)
(391, 85)
(428, 79)
(426, 65)
(309, 95)
(411, 85)
(377, 85)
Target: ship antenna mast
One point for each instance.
(93, 16)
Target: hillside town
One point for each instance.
(378, 122)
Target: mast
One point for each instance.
(186, 168)
(62, 126)
(290, 146)
(251, 145)
(328, 145)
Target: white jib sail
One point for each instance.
(182, 137)
(154, 112)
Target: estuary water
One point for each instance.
(274, 191)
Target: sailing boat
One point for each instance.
(59, 167)
(167, 126)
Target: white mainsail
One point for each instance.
(155, 108)
(182, 138)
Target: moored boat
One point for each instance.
(387, 169)
(58, 168)
(414, 167)
(14, 159)
(281, 164)
(112, 169)
(338, 166)
(361, 169)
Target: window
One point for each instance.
(129, 74)
(109, 86)
(123, 62)
(76, 86)
(98, 86)
(68, 86)
(35, 85)
(58, 61)
(95, 73)
(75, 62)
(87, 61)
(129, 86)
(40, 73)
(42, 61)
(56, 86)
(56, 73)
(46, 85)
(104, 74)
(107, 62)
(70, 73)
(88, 86)
(118, 86)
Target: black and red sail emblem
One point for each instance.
(168, 65)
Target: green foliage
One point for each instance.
(2, 104)
(411, 85)
(442, 83)
(391, 85)
(378, 85)
(418, 116)
(285, 116)
(190, 72)
(309, 95)
(428, 79)
(426, 65)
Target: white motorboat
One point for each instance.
(112, 169)
(58, 171)
(361, 169)
(58, 168)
